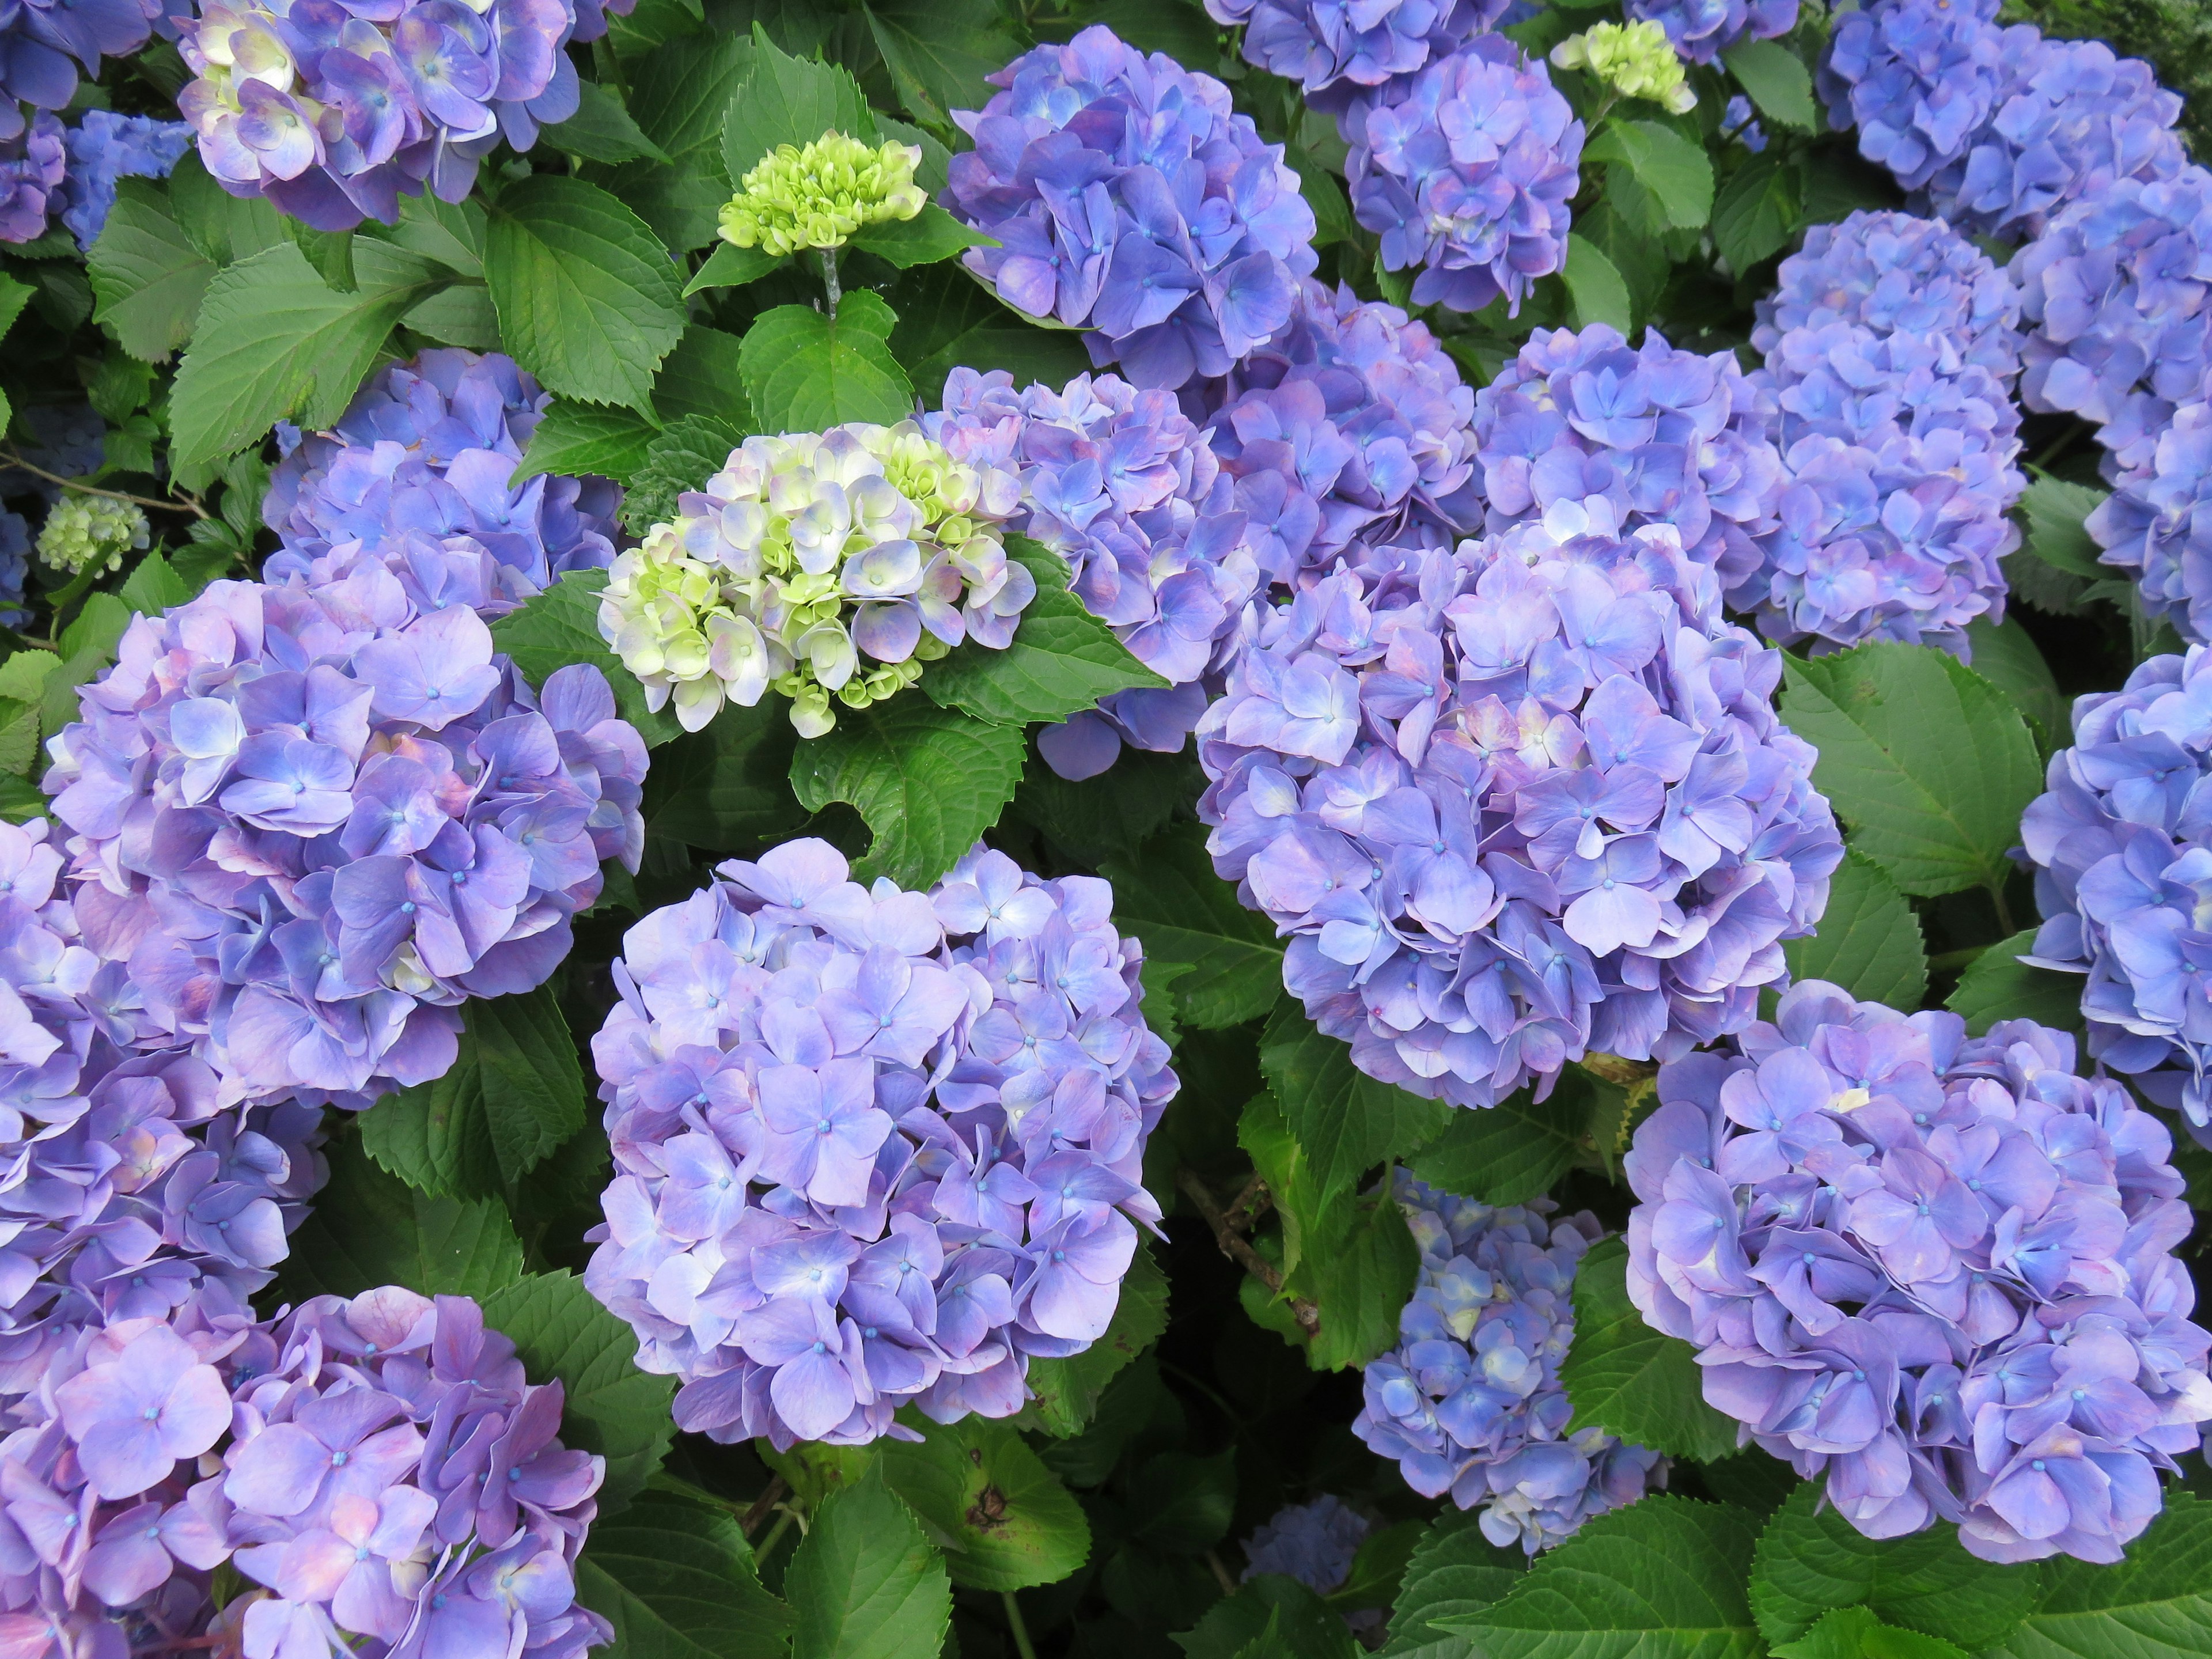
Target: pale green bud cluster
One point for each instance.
(1635, 59)
(820, 195)
(821, 566)
(91, 532)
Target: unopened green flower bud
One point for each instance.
(819, 195)
(1636, 59)
(91, 532)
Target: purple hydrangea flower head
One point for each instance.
(1920, 80)
(1469, 1402)
(333, 115)
(1936, 1270)
(44, 43)
(1653, 435)
(2157, 523)
(417, 475)
(33, 163)
(1703, 29)
(871, 1146)
(1891, 353)
(1121, 484)
(1516, 803)
(104, 147)
(1351, 422)
(2121, 848)
(1313, 1543)
(1336, 51)
(1127, 199)
(311, 821)
(1465, 170)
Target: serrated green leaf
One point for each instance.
(927, 781)
(1927, 763)
(1778, 81)
(1168, 895)
(574, 438)
(728, 789)
(789, 101)
(1062, 659)
(1633, 1381)
(223, 226)
(676, 1578)
(681, 458)
(1757, 210)
(1869, 941)
(1669, 167)
(1454, 1571)
(366, 1229)
(23, 674)
(805, 372)
(19, 735)
(461, 315)
(1157, 981)
(2156, 1603)
(1064, 1394)
(1595, 287)
(1002, 1519)
(1811, 1559)
(20, 800)
(939, 51)
(730, 266)
(1360, 1281)
(611, 1407)
(948, 319)
(701, 377)
(87, 646)
(1347, 1121)
(2008, 657)
(931, 235)
(601, 130)
(678, 92)
(1510, 1152)
(864, 1583)
(1660, 1579)
(153, 586)
(1856, 1633)
(1110, 815)
(587, 298)
(533, 1088)
(2056, 534)
(561, 626)
(1276, 1617)
(149, 277)
(1997, 985)
(448, 233)
(434, 1136)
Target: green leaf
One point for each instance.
(789, 101)
(938, 52)
(677, 94)
(1156, 981)
(2155, 1604)
(574, 438)
(561, 626)
(730, 266)
(366, 1229)
(1778, 81)
(1856, 1633)
(805, 372)
(1811, 1559)
(1672, 169)
(1168, 895)
(1660, 1579)
(1183, 1504)
(1595, 286)
(601, 130)
(728, 789)
(448, 233)
(1631, 1380)
(534, 1089)
(1925, 760)
(611, 1407)
(153, 586)
(931, 235)
(2008, 657)
(683, 457)
(434, 1136)
(1513, 1152)
(1003, 1519)
(927, 781)
(87, 646)
(21, 800)
(2056, 534)
(1757, 211)
(1064, 1392)
(1110, 815)
(223, 226)
(1455, 1572)
(864, 1583)
(1062, 661)
(1281, 1616)
(1324, 193)
(1997, 985)
(147, 276)
(1345, 1120)
(1869, 941)
(675, 1577)
(948, 319)
(19, 732)
(588, 300)
(1360, 1282)
(701, 377)
(461, 315)
(273, 340)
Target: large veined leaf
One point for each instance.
(1274, 1617)
(368, 1228)
(807, 372)
(1868, 940)
(148, 276)
(1345, 1120)
(1454, 1571)
(1511, 1152)
(561, 626)
(1630, 1380)
(1856, 1633)
(1168, 895)
(676, 1579)
(866, 1584)
(2155, 1603)
(574, 438)
(1672, 170)
(1778, 81)
(1997, 985)
(1002, 1518)
(1064, 1393)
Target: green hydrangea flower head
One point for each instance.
(819, 194)
(1635, 59)
(827, 567)
(91, 532)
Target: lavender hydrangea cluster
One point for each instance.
(1350, 423)
(1891, 352)
(1652, 436)
(872, 1146)
(314, 821)
(1517, 803)
(1465, 170)
(2157, 523)
(44, 43)
(1313, 1543)
(1123, 486)
(1469, 1402)
(1920, 80)
(333, 115)
(132, 1191)
(1938, 1271)
(380, 1471)
(417, 476)
(104, 147)
(1337, 51)
(1701, 30)
(2122, 852)
(33, 162)
(1127, 199)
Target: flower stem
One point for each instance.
(1017, 1628)
(767, 1546)
(829, 280)
(11, 459)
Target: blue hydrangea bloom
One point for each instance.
(44, 43)
(1350, 423)
(1465, 170)
(1128, 199)
(1313, 1543)
(104, 147)
(1936, 1270)
(33, 164)
(1338, 51)
(416, 476)
(1891, 352)
(1702, 30)
(1469, 1402)
(1122, 484)
(1515, 803)
(14, 566)
(1920, 80)
(2157, 523)
(871, 1147)
(312, 820)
